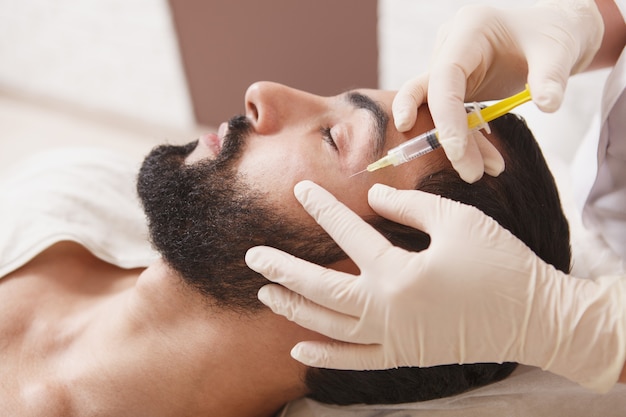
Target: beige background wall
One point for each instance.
(321, 46)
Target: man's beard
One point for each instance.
(203, 218)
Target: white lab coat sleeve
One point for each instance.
(602, 194)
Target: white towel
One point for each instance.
(84, 195)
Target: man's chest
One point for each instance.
(48, 302)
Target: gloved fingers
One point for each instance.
(460, 37)
(569, 40)
(427, 212)
(411, 95)
(320, 285)
(548, 73)
(547, 78)
(340, 355)
(492, 159)
(358, 239)
(457, 61)
(413, 208)
(471, 166)
(477, 158)
(446, 95)
(313, 316)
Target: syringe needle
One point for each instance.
(357, 173)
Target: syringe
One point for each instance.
(429, 141)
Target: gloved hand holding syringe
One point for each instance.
(426, 142)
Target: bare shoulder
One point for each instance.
(53, 288)
(46, 304)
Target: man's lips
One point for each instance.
(211, 141)
(209, 145)
(214, 141)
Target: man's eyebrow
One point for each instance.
(361, 101)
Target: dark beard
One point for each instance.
(203, 218)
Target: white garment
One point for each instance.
(81, 195)
(603, 192)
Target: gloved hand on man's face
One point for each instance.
(477, 294)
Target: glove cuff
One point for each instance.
(594, 353)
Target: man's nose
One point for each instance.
(270, 106)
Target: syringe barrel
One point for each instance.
(415, 147)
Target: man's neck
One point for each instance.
(227, 364)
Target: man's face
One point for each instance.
(290, 140)
(209, 201)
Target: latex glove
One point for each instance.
(485, 53)
(477, 294)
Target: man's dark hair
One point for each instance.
(523, 199)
